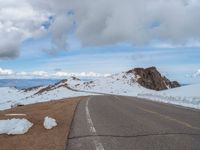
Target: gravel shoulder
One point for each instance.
(39, 138)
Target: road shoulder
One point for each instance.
(39, 138)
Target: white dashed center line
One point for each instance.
(98, 145)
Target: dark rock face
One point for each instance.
(75, 78)
(31, 88)
(151, 78)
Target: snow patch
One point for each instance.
(15, 126)
(15, 114)
(49, 122)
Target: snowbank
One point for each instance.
(15, 126)
(188, 96)
(49, 123)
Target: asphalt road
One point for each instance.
(128, 123)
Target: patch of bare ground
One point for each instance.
(39, 138)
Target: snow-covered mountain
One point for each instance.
(124, 83)
(121, 83)
(12, 97)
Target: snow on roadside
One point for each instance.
(10, 96)
(55, 94)
(49, 122)
(15, 126)
(15, 97)
(188, 96)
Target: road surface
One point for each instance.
(129, 123)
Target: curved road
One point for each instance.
(129, 123)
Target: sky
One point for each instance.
(93, 38)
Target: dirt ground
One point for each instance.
(39, 138)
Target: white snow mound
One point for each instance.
(188, 96)
(15, 126)
(49, 122)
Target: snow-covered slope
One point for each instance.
(185, 91)
(122, 84)
(55, 94)
(188, 96)
(119, 84)
(8, 96)
(11, 97)
(126, 84)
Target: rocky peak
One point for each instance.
(152, 79)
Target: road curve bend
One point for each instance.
(109, 122)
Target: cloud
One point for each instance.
(6, 72)
(39, 73)
(9, 44)
(82, 74)
(136, 21)
(23, 73)
(32, 74)
(95, 22)
(197, 73)
(18, 22)
(59, 31)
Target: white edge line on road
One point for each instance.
(97, 144)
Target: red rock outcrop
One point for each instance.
(152, 79)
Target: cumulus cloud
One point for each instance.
(135, 21)
(81, 74)
(59, 31)
(6, 72)
(18, 21)
(197, 73)
(23, 73)
(40, 73)
(94, 22)
(32, 74)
